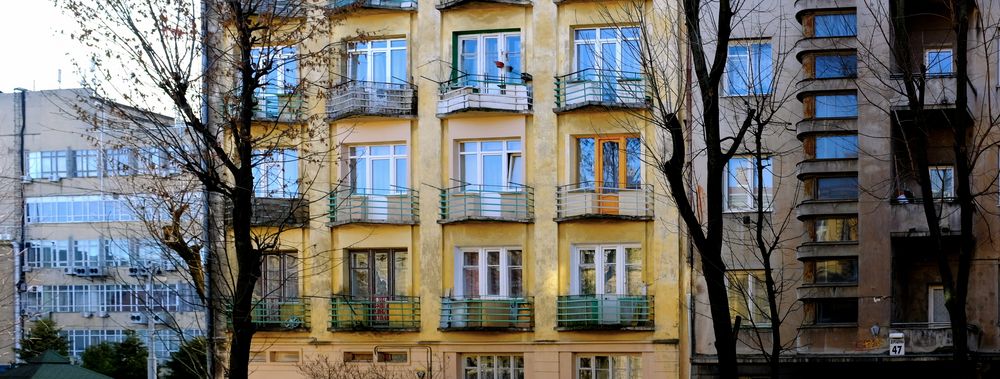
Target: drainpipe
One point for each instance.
(206, 233)
(20, 242)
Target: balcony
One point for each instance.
(357, 98)
(602, 89)
(280, 108)
(814, 167)
(281, 8)
(374, 206)
(487, 314)
(599, 312)
(347, 5)
(939, 93)
(445, 4)
(375, 313)
(597, 200)
(908, 219)
(484, 93)
(814, 208)
(475, 202)
(276, 315)
(922, 337)
(282, 211)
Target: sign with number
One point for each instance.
(897, 344)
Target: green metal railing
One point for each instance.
(274, 314)
(602, 88)
(498, 93)
(275, 107)
(605, 312)
(397, 205)
(512, 202)
(382, 4)
(375, 313)
(485, 313)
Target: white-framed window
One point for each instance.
(174, 297)
(490, 272)
(118, 162)
(276, 173)
(942, 181)
(87, 253)
(749, 69)
(379, 169)
(488, 366)
(86, 163)
(380, 61)
(748, 297)
(608, 49)
(741, 183)
(492, 165)
(48, 164)
(936, 311)
(939, 61)
(283, 76)
(155, 161)
(607, 270)
(608, 366)
(60, 209)
(490, 57)
(48, 253)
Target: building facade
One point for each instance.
(82, 255)
(485, 211)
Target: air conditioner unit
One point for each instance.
(97, 271)
(161, 317)
(137, 318)
(69, 271)
(137, 271)
(34, 288)
(81, 271)
(86, 314)
(103, 314)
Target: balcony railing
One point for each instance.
(284, 108)
(513, 202)
(604, 200)
(939, 89)
(357, 98)
(605, 312)
(407, 5)
(375, 313)
(275, 314)
(908, 219)
(486, 313)
(445, 4)
(922, 337)
(484, 93)
(289, 210)
(603, 88)
(378, 206)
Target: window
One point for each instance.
(359, 357)
(111, 298)
(837, 271)
(48, 164)
(607, 270)
(378, 273)
(379, 169)
(748, 297)
(490, 272)
(835, 25)
(835, 229)
(836, 147)
(87, 253)
(490, 57)
(155, 161)
(836, 66)
(392, 357)
(117, 162)
(942, 182)
(939, 62)
(608, 366)
(279, 279)
(381, 61)
(837, 311)
(285, 356)
(86, 163)
(838, 188)
(59, 209)
(613, 50)
(276, 173)
(48, 253)
(936, 311)
(599, 162)
(741, 184)
(749, 69)
(281, 78)
(492, 165)
(493, 367)
(836, 106)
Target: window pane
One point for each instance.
(401, 274)
(493, 174)
(939, 62)
(836, 229)
(738, 71)
(609, 164)
(836, 147)
(836, 66)
(762, 68)
(942, 182)
(835, 25)
(841, 188)
(398, 66)
(585, 160)
(633, 157)
(837, 311)
(837, 271)
(401, 176)
(833, 106)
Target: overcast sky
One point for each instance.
(31, 34)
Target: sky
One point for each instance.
(34, 29)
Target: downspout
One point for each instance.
(206, 233)
(20, 242)
(692, 304)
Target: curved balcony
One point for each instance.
(823, 44)
(827, 291)
(939, 91)
(808, 87)
(816, 250)
(484, 313)
(276, 314)
(813, 208)
(602, 89)
(600, 200)
(359, 98)
(805, 6)
(815, 167)
(477, 202)
(825, 125)
(375, 206)
(350, 5)
(447, 4)
(605, 312)
(484, 93)
(375, 313)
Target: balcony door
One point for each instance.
(489, 60)
(277, 286)
(607, 165)
(607, 56)
(607, 273)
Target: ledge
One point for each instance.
(807, 6)
(823, 44)
(827, 291)
(813, 208)
(808, 87)
(815, 167)
(810, 126)
(485, 219)
(599, 216)
(818, 250)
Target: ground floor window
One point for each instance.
(608, 366)
(493, 367)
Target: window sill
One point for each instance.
(746, 211)
(842, 325)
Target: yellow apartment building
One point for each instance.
(487, 210)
